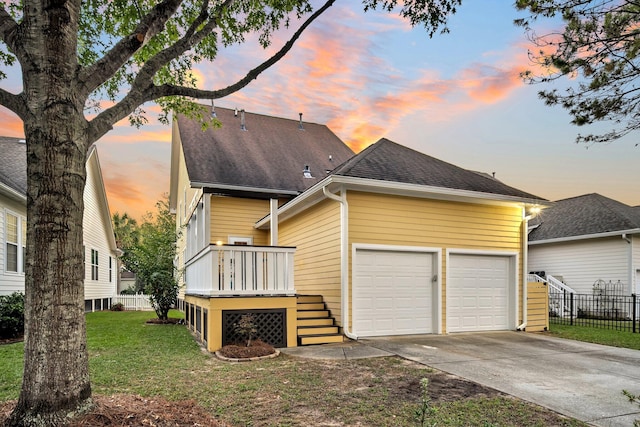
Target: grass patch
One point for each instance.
(596, 335)
(128, 356)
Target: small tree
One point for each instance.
(152, 259)
(246, 328)
(127, 233)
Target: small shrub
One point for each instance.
(246, 328)
(129, 291)
(12, 315)
(117, 307)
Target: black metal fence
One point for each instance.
(619, 312)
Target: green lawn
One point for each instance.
(597, 335)
(131, 357)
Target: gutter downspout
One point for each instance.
(525, 262)
(344, 259)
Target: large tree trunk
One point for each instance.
(56, 366)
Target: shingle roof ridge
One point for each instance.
(13, 170)
(623, 211)
(253, 113)
(361, 156)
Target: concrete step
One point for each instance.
(320, 339)
(317, 330)
(316, 321)
(306, 314)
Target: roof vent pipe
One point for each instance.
(242, 125)
(300, 124)
(213, 110)
(235, 112)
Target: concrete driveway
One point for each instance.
(580, 380)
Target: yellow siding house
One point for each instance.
(386, 242)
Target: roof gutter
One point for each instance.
(396, 188)
(587, 236)
(204, 185)
(344, 259)
(11, 193)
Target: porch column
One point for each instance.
(274, 222)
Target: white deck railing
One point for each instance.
(241, 270)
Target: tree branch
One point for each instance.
(156, 92)
(150, 25)
(9, 31)
(141, 93)
(14, 103)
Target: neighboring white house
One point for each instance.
(101, 267)
(586, 239)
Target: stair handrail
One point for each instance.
(558, 285)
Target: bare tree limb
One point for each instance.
(171, 90)
(150, 25)
(141, 93)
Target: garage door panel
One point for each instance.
(397, 286)
(477, 293)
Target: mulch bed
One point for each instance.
(169, 321)
(127, 410)
(241, 351)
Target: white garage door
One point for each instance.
(392, 293)
(478, 293)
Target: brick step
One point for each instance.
(310, 306)
(316, 321)
(320, 339)
(306, 314)
(309, 298)
(317, 330)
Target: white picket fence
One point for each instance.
(133, 302)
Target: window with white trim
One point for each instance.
(110, 269)
(15, 242)
(94, 264)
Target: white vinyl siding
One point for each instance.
(581, 263)
(96, 238)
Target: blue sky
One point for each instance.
(456, 97)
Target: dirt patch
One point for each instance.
(131, 410)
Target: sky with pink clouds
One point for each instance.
(457, 97)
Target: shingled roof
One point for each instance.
(388, 161)
(270, 155)
(13, 164)
(590, 214)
